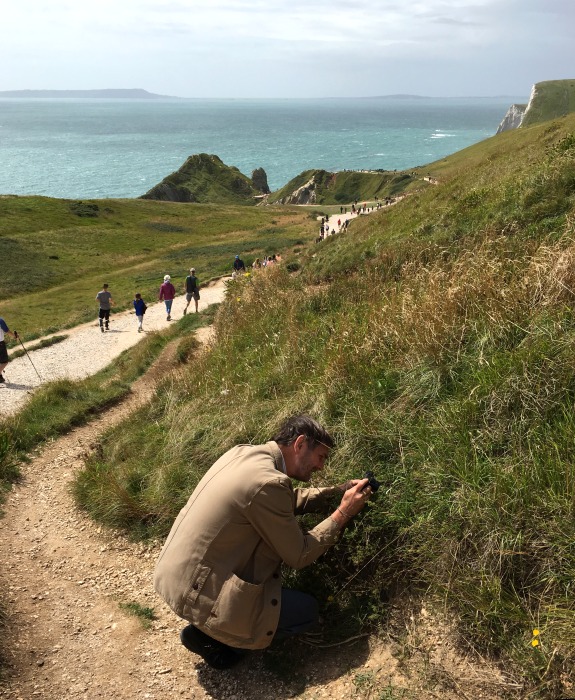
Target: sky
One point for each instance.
(300, 48)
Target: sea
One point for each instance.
(119, 148)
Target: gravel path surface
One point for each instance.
(87, 350)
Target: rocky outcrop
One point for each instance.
(303, 195)
(260, 180)
(513, 118)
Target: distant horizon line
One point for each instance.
(142, 94)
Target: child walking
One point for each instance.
(140, 308)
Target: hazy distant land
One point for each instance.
(129, 94)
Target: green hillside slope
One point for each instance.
(205, 179)
(57, 253)
(551, 99)
(322, 187)
(436, 340)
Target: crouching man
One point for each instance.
(220, 567)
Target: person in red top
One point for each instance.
(167, 294)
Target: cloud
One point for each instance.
(243, 45)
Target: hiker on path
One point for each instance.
(220, 567)
(140, 309)
(192, 289)
(106, 302)
(4, 330)
(238, 266)
(167, 294)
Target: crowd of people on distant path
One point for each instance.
(355, 210)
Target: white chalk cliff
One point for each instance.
(513, 118)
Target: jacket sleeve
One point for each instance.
(315, 500)
(271, 513)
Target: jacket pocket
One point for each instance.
(237, 609)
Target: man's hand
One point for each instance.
(355, 498)
(353, 501)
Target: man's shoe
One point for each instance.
(2, 380)
(102, 328)
(185, 311)
(214, 653)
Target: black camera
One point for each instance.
(372, 481)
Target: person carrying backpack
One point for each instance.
(140, 309)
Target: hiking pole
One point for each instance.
(28, 356)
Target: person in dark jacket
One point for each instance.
(239, 266)
(140, 309)
(4, 330)
(192, 289)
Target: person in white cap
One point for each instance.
(167, 294)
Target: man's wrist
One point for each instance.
(341, 517)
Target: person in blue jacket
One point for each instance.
(140, 309)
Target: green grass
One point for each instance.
(56, 261)
(435, 340)
(553, 99)
(144, 614)
(205, 178)
(343, 188)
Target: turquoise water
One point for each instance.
(121, 148)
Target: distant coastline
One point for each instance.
(128, 94)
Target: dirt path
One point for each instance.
(86, 350)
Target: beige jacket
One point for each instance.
(220, 566)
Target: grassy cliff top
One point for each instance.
(550, 99)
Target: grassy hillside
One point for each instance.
(347, 186)
(551, 99)
(435, 340)
(57, 253)
(206, 179)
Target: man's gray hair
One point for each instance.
(305, 425)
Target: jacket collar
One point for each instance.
(279, 461)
